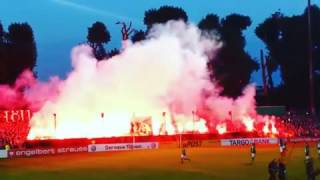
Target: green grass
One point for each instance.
(206, 163)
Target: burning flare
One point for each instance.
(222, 128)
(249, 123)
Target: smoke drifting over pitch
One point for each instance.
(163, 79)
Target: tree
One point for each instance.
(2, 33)
(163, 15)
(126, 30)
(210, 23)
(3, 57)
(233, 66)
(21, 50)
(270, 34)
(113, 52)
(100, 52)
(17, 52)
(286, 40)
(138, 36)
(98, 35)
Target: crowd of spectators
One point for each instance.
(299, 124)
(13, 133)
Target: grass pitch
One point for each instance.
(206, 163)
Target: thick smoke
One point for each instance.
(164, 77)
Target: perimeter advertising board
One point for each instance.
(122, 146)
(248, 141)
(45, 151)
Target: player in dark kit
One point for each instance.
(184, 155)
(307, 151)
(282, 170)
(310, 169)
(273, 169)
(253, 151)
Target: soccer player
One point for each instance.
(282, 146)
(310, 169)
(282, 170)
(307, 151)
(184, 155)
(273, 169)
(281, 142)
(253, 151)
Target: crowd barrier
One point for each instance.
(114, 144)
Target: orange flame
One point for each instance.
(248, 122)
(221, 128)
(269, 126)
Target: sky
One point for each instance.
(59, 25)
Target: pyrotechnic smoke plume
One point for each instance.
(165, 73)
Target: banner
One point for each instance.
(122, 146)
(248, 141)
(15, 115)
(45, 151)
(3, 154)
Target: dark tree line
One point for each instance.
(163, 15)
(286, 39)
(233, 66)
(98, 34)
(17, 51)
